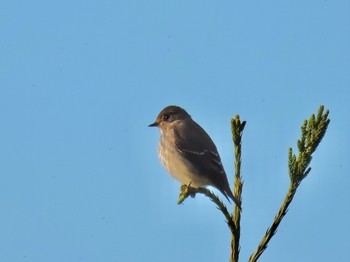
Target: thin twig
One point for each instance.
(188, 190)
(237, 129)
(278, 218)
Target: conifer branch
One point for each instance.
(237, 129)
(188, 190)
(312, 132)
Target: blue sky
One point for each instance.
(81, 80)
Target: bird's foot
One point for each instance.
(186, 191)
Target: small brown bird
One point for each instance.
(188, 153)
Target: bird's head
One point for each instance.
(169, 115)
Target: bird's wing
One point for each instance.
(198, 148)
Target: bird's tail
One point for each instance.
(228, 194)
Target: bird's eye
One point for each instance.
(166, 117)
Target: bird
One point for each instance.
(188, 153)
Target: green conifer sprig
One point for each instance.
(237, 130)
(312, 132)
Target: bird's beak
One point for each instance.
(154, 124)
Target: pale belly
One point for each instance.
(178, 167)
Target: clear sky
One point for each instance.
(80, 81)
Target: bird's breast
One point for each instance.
(177, 166)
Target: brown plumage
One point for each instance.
(188, 153)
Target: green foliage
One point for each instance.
(237, 130)
(312, 132)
